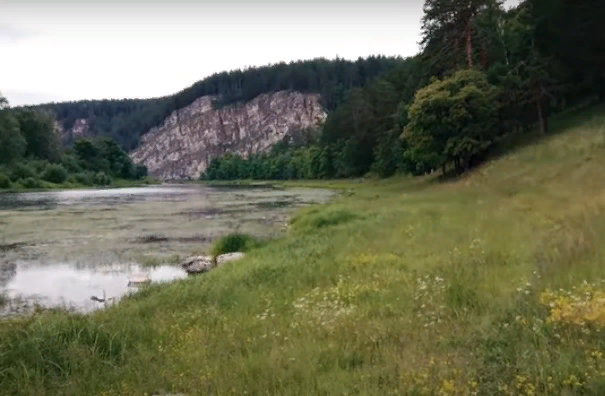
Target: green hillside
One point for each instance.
(490, 284)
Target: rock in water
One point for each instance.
(228, 257)
(138, 279)
(197, 264)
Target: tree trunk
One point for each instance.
(546, 112)
(467, 163)
(484, 57)
(541, 120)
(469, 44)
(443, 169)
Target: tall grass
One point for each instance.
(491, 284)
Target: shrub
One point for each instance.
(55, 174)
(38, 166)
(31, 182)
(101, 179)
(21, 171)
(5, 181)
(234, 242)
(452, 120)
(141, 171)
(71, 163)
(84, 178)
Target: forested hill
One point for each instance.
(485, 73)
(126, 120)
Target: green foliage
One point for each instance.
(21, 170)
(314, 220)
(234, 242)
(105, 155)
(70, 162)
(52, 349)
(38, 129)
(140, 172)
(31, 182)
(55, 173)
(84, 178)
(101, 179)
(12, 142)
(452, 120)
(5, 181)
(38, 166)
(29, 144)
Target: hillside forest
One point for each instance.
(484, 73)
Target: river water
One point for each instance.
(61, 248)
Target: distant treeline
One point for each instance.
(126, 120)
(484, 73)
(31, 154)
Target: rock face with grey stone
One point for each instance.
(201, 264)
(198, 264)
(185, 143)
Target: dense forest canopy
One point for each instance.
(127, 119)
(484, 73)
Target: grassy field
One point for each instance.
(491, 284)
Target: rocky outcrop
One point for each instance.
(201, 264)
(183, 146)
(80, 129)
(198, 264)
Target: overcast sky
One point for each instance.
(78, 49)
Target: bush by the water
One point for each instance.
(235, 242)
(84, 178)
(55, 174)
(5, 181)
(31, 182)
(31, 155)
(101, 179)
(21, 171)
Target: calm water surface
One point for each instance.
(61, 248)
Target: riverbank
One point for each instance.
(483, 285)
(332, 184)
(47, 186)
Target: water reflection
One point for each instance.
(63, 247)
(64, 284)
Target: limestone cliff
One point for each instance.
(189, 138)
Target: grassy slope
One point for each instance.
(407, 286)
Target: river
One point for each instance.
(60, 248)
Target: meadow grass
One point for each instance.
(489, 284)
(234, 242)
